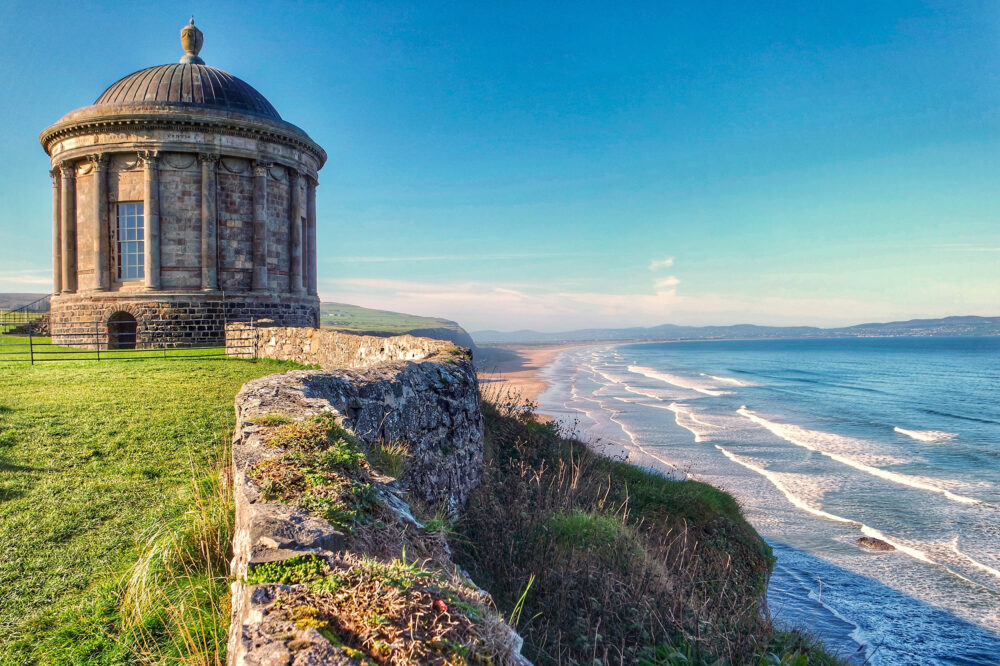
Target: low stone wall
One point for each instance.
(414, 391)
(326, 348)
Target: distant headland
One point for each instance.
(945, 326)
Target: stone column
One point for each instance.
(259, 282)
(68, 218)
(312, 281)
(295, 214)
(151, 223)
(102, 274)
(209, 224)
(56, 233)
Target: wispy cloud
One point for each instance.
(478, 305)
(666, 283)
(657, 264)
(971, 249)
(31, 276)
(450, 257)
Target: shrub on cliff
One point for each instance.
(621, 565)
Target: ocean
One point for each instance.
(822, 442)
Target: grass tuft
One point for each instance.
(389, 458)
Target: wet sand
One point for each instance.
(516, 368)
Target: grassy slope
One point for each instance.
(355, 318)
(615, 562)
(92, 457)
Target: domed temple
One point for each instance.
(180, 201)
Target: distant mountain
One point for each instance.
(12, 301)
(915, 327)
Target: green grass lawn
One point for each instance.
(94, 457)
(17, 348)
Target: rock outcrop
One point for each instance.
(313, 515)
(873, 543)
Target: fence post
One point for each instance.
(253, 338)
(31, 346)
(97, 339)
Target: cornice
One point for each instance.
(225, 126)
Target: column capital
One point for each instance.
(99, 160)
(260, 167)
(209, 158)
(67, 169)
(54, 173)
(149, 157)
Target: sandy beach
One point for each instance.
(517, 368)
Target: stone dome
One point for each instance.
(189, 85)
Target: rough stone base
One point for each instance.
(171, 319)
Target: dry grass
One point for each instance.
(621, 560)
(174, 601)
(395, 613)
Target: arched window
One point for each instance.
(121, 331)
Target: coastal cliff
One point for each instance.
(371, 493)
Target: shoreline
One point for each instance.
(515, 370)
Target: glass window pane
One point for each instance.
(129, 241)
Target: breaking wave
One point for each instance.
(674, 380)
(926, 435)
(867, 530)
(727, 380)
(976, 563)
(807, 439)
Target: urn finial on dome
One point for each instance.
(191, 39)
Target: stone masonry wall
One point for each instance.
(180, 221)
(329, 349)
(429, 401)
(165, 320)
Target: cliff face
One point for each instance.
(314, 518)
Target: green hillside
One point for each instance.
(344, 317)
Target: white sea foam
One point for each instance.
(979, 565)
(681, 382)
(688, 420)
(867, 530)
(811, 440)
(633, 439)
(926, 435)
(795, 500)
(632, 389)
(727, 380)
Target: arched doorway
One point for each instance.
(121, 331)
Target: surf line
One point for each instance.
(727, 380)
(680, 411)
(628, 433)
(926, 435)
(865, 529)
(672, 380)
(979, 565)
(787, 433)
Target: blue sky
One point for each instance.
(555, 165)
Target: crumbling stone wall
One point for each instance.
(329, 349)
(420, 392)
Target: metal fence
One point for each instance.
(25, 339)
(15, 320)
